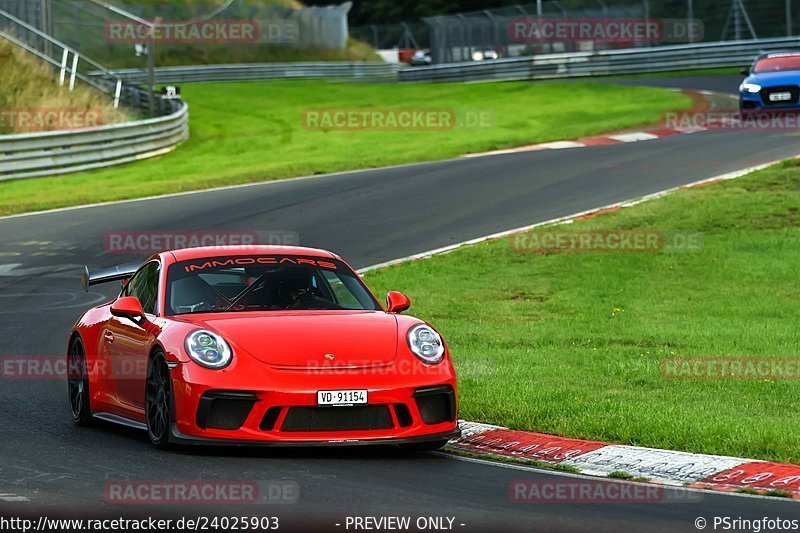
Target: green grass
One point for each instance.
(570, 344)
(778, 494)
(625, 476)
(251, 132)
(619, 474)
(773, 493)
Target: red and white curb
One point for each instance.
(620, 138)
(657, 466)
(569, 219)
(603, 140)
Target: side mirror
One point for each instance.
(397, 302)
(745, 72)
(130, 308)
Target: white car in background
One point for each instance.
(421, 58)
(485, 55)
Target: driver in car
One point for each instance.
(297, 292)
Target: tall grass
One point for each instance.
(28, 85)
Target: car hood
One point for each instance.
(315, 339)
(772, 79)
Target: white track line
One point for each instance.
(560, 473)
(567, 218)
(13, 498)
(554, 145)
(634, 137)
(223, 188)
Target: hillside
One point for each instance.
(31, 100)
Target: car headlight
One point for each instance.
(477, 56)
(426, 344)
(208, 349)
(749, 87)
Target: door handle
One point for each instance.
(109, 336)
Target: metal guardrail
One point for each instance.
(260, 71)
(604, 63)
(32, 155)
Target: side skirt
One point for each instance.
(116, 419)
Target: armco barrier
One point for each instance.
(260, 71)
(603, 63)
(33, 155)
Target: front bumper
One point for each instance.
(272, 407)
(760, 101)
(177, 437)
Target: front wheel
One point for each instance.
(431, 446)
(158, 401)
(78, 384)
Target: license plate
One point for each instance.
(780, 97)
(342, 398)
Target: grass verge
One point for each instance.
(251, 132)
(571, 344)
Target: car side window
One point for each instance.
(144, 286)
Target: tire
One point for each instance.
(419, 447)
(158, 405)
(78, 384)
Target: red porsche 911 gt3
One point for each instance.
(259, 346)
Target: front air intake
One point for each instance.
(224, 410)
(363, 418)
(436, 405)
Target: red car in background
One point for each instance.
(262, 346)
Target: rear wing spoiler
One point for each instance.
(107, 275)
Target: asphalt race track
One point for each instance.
(368, 217)
(728, 83)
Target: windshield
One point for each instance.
(261, 283)
(777, 64)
